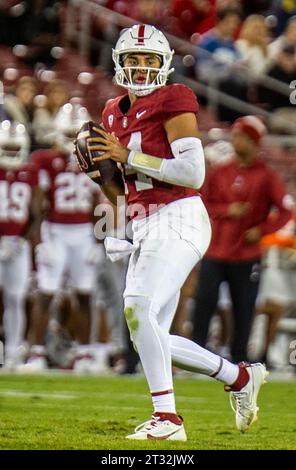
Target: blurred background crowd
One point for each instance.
(239, 57)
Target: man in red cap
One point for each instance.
(239, 196)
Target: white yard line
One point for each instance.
(17, 393)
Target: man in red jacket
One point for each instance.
(239, 197)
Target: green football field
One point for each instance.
(71, 412)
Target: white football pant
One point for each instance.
(170, 243)
(67, 250)
(15, 273)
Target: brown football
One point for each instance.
(102, 172)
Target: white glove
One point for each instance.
(95, 254)
(10, 246)
(46, 254)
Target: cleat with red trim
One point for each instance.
(161, 426)
(243, 393)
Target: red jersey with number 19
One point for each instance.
(141, 128)
(16, 189)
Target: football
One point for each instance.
(102, 172)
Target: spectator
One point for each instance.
(119, 6)
(252, 44)
(148, 12)
(193, 16)
(216, 49)
(283, 118)
(13, 20)
(219, 64)
(57, 94)
(42, 30)
(285, 39)
(239, 197)
(104, 31)
(20, 106)
(251, 7)
(283, 70)
(283, 10)
(218, 59)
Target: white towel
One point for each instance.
(117, 249)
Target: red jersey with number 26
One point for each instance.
(16, 189)
(70, 193)
(142, 129)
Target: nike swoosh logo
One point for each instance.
(186, 150)
(139, 114)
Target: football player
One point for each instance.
(68, 247)
(152, 131)
(277, 286)
(20, 203)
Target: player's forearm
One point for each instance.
(36, 216)
(217, 210)
(275, 223)
(33, 228)
(186, 169)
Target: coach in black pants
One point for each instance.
(242, 278)
(245, 200)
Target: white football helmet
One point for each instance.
(68, 121)
(14, 144)
(142, 39)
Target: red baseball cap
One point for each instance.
(250, 125)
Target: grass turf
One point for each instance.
(70, 412)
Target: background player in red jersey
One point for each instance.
(152, 131)
(239, 196)
(19, 222)
(68, 248)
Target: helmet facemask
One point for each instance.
(151, 42)
(124, 75)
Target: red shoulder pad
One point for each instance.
(178, 99)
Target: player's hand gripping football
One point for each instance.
(110, 145)
(104, 171)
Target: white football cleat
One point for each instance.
(244, 401)
(35, 364)
(10, 364)
(90, 362)
(161, 426)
